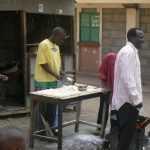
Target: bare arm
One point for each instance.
(3, 77)
(103, 85)
(131, 83)
(62, 72)
(51, 71)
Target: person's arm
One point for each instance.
(50, 70)
(103, 84)
(42, 60)
(102, 73)
(129, 66)
(62, 72)
(3, 77)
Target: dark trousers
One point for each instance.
(47, 110)
(127, 119)
(103, 98)
(113, 135)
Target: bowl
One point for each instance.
(82, 87)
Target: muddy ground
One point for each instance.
(89, 113)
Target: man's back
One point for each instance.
(127, 75)
(106, 70)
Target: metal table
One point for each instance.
(61, 102)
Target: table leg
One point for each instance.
(104, 119)
(78, 112)
(32, 122)
(60, 116)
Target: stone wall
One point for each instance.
(113, 29)
(145, 52)
(32, 6)
(114, 36)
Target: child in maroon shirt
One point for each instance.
(106, 76)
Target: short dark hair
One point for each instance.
(59, 31)
(9, 132)
(132, 33)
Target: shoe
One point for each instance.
(146, 122)
(55, 132)
(97, 131)
(105, 145)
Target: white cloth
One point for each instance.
(127, 78)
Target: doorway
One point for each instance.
(11, 59)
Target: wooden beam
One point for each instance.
(136, 6)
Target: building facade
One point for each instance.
(107, 25)
(25, 23)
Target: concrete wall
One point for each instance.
(114, 1)
(145, 52)
(49, 6)
(114, 29)
(89, 58)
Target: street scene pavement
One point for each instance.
(89, 110)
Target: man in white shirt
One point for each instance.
(127, 96)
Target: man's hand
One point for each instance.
(138, 106)
(52, 72)
(60, 77)
(3, 77)
(105, 90)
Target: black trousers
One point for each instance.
(127, 118)
(113, 135)
(47, 110)
(103, 97)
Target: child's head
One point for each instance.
(12, 138)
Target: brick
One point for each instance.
(116, 48)
(118, 34)
(144, 53)
(107, 10)
(142, 11)
(146, 46)
(149, 61)
(107, 41)
(106, 49)
(107, 25)
(145, 70)
(146, 36)
(106, 33)
(148, 27)
(119, 42)
(147, 11)
(119, 17)
(119, 26)
(145, 18)
(144, 61)
(145, 79)
(143, 27)
(120, 10)
(107, 17)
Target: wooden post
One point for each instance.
(24, 49)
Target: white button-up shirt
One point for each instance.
(127, 77)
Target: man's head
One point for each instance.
(11, 138)
(136, 37)
(58, 35)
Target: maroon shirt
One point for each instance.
(106, 72)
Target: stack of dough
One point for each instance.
(63, 91)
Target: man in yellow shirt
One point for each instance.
(48, 72)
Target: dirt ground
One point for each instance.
(89, 113)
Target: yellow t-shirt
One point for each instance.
(49, 53)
